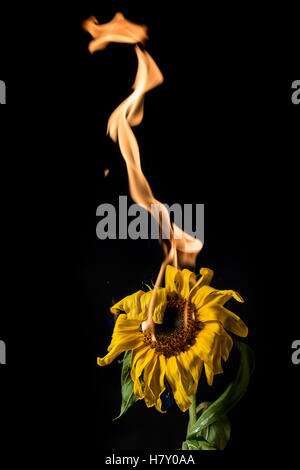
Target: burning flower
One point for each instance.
(187, 331)
(169, 333)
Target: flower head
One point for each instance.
(189, 331)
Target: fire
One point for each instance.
(129, 114)
(117, 30)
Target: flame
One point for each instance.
(117, 30)
(129, 114)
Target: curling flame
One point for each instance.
(117, 30)
(129, 114)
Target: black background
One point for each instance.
(221, 130)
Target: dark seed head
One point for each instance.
(179, 329)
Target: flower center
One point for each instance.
(179, 329)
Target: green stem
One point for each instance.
(192, 411)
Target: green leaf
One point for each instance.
(128, 397)
(217, 434)
(229, 398)
(197, 445)
(202, 407)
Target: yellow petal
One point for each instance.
(137, 353)
(131, 305)
(178, 282)
(209, 295)
(191, 361)
(217, 296)
(205, 280)
(221, 350)
(199, 297)
(126, 336)
(209, 374)
(185, 376)
(188, 277)
(160, 305)
(154, 375)
(229, 320)
(212, 345)
(151, 370)
(173, 279)
(174, 378)
(145, 358)
(162, 373)
(136, 306)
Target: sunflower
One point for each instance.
(189, 331)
